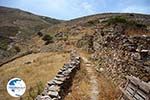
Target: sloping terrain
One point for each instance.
(117, 45)
(35, 69)
(18, 27)
(15, 21)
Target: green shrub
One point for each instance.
(117, 19)
(40, 87)
(17, 49)
(4, 43)
(34, 91)
(40, 34)
(92, 22)
(140, 25)
(123, 20)
(48, 39)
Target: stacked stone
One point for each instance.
(57, 88)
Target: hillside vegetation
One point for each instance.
(17, 27)
(111, 46)
(114, 41)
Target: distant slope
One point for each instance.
(94, 20)
(115, 40)
(17, 25)
(15, 20)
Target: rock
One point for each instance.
(28, 62)
(101, 69)
(60, 75)
(60, 78)
(43, 98)
(57, 82)
(53, 94)
(54, 88)
(51, 83)
(136, 56)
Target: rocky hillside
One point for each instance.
(15, 21)
(118, 43)
(111, 47)
(17, 27)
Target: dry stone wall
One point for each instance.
(19, 55)
(57, 88)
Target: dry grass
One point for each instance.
(43, 67)
(80, 87)
(133, 32)
(108, 90)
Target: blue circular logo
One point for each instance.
(16, 87)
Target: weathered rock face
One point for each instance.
(119, 54)
(59, 86)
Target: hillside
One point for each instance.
(111, 46)
(118, 43)
(15, 20)
(19, 26)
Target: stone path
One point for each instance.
(93, 80)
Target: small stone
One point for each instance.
(101, 69)
(53, 94)
(43, 98)
(51, 83)
(59, 75)
(58, 82)
(54, 88)
(60, 78)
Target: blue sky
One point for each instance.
(70, 9)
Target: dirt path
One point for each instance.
(94, 90)
(85, 85)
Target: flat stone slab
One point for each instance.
(54, 88)
(60, 78)
(43, 98)
(53, 94)
(51, 83)
(57, 82)
(60, 75)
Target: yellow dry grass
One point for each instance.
(81, 86)
(43, 67)
(108, 90)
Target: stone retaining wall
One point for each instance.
(19, 55)
(57, 88)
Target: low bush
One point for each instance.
(34, 91)
(48, 39)
(125, 21)
(40, 34)
(117, 19)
